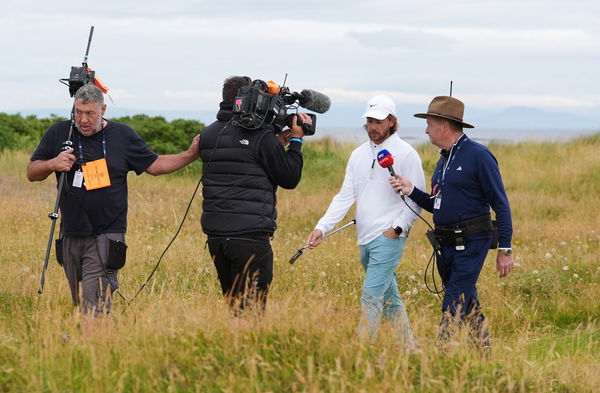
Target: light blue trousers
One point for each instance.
(380, 295)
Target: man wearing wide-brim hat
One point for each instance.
(466, 183)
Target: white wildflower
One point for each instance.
(565, 268)
(548, 255)
(575, 275)
(536, 272)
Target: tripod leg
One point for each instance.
(53, 216)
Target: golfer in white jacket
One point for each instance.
(383, 220)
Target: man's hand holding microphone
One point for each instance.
(401, 185)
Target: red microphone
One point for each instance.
(386, 160)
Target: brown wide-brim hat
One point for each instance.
(448, 108)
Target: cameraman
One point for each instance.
(94, 214)
(241, 171)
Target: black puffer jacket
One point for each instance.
(241, 171)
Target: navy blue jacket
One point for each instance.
(470, 186)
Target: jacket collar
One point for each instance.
(383, 144)
(225, 112)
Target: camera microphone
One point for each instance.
(313, 100)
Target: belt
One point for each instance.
(449, 234)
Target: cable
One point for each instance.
(417, 214)
(166, 248)
(435, 290)
(214, 150)
(114, 290)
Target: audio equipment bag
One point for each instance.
(117, 254)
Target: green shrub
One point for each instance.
(164, 137)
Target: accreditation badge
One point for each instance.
(437, 202)
(78, 179)
(95, 174)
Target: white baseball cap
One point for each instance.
(379, 107)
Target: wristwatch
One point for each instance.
(398, 230)
(505, 251)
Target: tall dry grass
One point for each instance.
(178, 337)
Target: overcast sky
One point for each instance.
(174, 55)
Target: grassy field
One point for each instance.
(178, 336)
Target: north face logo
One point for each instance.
(459, 168)
(244, 142)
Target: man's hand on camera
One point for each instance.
(64, 161)
(297, 131)
(284, 137)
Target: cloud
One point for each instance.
(522, 40)
(345, 96)
(175, 55)
(404, 39)
(482, 40)
(479, 100)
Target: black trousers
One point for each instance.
(245, 268)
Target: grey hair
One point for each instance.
(89, 93)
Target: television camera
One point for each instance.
(265, 104)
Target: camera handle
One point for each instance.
(308, 129)
(54, 215)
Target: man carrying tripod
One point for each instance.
(94, 197)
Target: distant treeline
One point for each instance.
(23, 133)
(19, 132)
